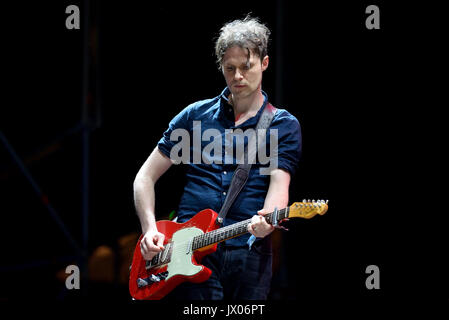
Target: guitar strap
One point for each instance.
(242, 172)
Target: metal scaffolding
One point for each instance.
(90, 119)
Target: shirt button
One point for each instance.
(224, 172)
(224, 193)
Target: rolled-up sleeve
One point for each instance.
(289, 142)
(180, 121)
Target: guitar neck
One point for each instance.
(233, 230)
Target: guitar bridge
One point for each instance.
(151, 279)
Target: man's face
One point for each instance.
(243, 79)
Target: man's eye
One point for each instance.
(229, 69)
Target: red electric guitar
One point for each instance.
(187, 243)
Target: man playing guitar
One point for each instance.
(237, 271)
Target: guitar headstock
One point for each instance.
(307, 209)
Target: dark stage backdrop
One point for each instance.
(351, 89)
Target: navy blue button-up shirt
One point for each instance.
(209, 173)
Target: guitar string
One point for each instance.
(221, 231)
(215, 235)
(182, 246)
(212, 236)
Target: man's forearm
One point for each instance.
(144, 201)
(144, 195)
(277, 195)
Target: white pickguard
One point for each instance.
(181, 259)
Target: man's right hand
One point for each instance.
(151, 244)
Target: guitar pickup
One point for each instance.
(151, 279)
(161, 258)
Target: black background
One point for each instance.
(352, 89)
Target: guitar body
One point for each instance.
(184, 264)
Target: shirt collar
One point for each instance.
(226, 110)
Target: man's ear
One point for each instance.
(265, 62)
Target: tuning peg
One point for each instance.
(304, 200)
(327, 201)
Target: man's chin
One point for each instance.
(239, 94)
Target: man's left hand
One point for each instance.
(258, 226)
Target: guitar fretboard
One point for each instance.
(233, 230)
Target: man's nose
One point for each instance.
(238, 75)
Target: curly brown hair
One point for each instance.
(248, 34)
